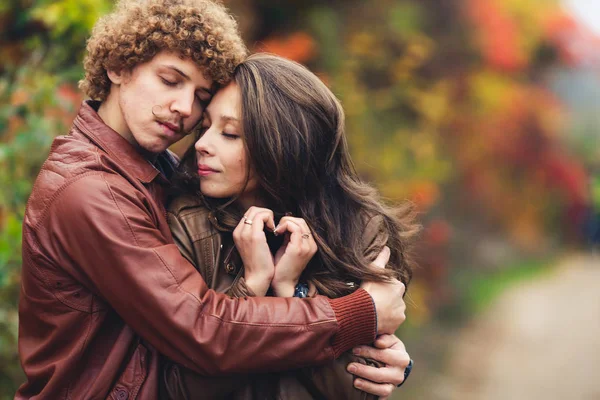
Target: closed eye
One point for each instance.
(203, 102)
(168, 82)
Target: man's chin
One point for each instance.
(154, 148)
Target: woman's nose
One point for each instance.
(203, 144)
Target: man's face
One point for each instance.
(161, 100)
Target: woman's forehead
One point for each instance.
(225, 104)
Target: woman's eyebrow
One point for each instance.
(222, 117)
(225, 117)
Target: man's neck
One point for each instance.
(110, 113)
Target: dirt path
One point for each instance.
(541, 340)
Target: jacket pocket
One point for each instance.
(132, 378)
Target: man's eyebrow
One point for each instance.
(180, 72)
(187, 78)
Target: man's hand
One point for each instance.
(381, 381)
(387, 297)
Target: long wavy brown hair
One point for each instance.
(293, 129)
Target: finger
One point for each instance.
(382, 259)
(287, 225)
(267, 217)
(373, 353)
(248, 220)
(237, 232)
(378, 389)
(255, 213)
(295, 234)
(308, 242)
(391, 375)
(396, 357)
(302, 223)
(386, 341)
(298, 221)
(261, 219)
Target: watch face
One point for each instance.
(301, 290)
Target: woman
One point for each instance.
(269, 204)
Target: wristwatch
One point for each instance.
(301, 290)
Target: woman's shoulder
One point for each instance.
(188, 213)
(185, 204)
(190, 222)
(374, 236)
(373, 224)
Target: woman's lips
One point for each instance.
(204, 170)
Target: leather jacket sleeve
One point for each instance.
(124, 253)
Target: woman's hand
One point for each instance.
(251, 242)
(292, 257)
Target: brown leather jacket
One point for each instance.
(105, 289)
(211, 251)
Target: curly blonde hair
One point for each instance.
(202, 30)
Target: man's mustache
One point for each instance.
(166, 118)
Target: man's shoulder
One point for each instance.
(73, 169)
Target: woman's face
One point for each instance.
(220, 153)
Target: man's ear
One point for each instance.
(116, 77)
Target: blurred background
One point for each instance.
(484, 113)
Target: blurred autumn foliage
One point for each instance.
(447, 104)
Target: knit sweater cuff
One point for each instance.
(357, 319)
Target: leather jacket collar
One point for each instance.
(89, 123)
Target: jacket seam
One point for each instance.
(59, 191)
(305, 326)
(114, 199)
(179, 287)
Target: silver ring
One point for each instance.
(247, 221)
(305, 235)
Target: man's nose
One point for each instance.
(184, 105)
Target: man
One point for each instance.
(104, 289)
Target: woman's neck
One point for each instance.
(248, 200)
